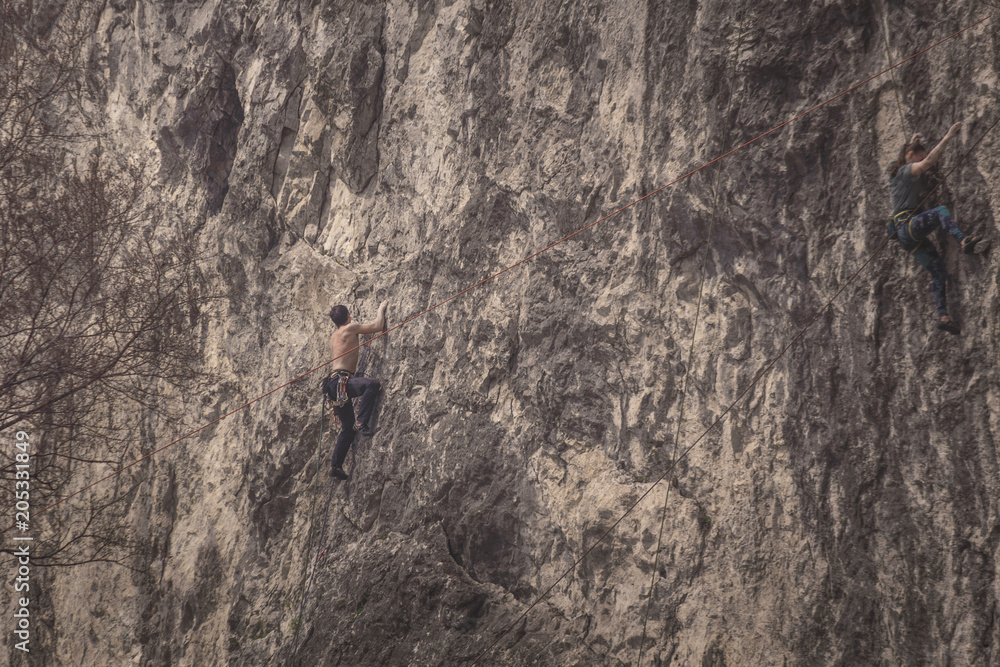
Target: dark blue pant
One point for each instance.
(367, 389)
(913, 237)
(927, 256)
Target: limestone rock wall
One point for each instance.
(845, 512)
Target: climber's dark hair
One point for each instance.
(339, 315)
(901, 160)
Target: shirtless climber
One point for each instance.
(344, 386)
(908, 186)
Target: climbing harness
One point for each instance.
(335, 387)
(335, 391)
(904, 219)
(896, 222)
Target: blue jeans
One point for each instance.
(913, 237)
(368, 389)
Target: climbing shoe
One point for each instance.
(974, 244)
(950, 326)
(339, 473)
(364, 430)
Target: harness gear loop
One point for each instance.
(904, 217)
(894, 224)
(335, 390)
(335, 387)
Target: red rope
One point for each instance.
(495, 275)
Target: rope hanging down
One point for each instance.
(888, 58)
(697, 317)
(308, 578)
(498, 273)
(739, 397)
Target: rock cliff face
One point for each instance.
(347, 152)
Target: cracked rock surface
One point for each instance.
(844, 512)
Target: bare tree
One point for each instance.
(98, 296)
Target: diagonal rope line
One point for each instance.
(502, 271)
(697, 315)
(721, 417)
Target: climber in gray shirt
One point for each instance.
(908, 187)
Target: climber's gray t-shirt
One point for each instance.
(905, 189)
